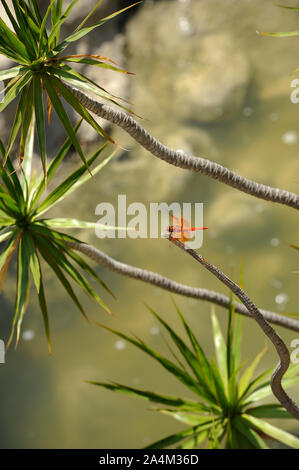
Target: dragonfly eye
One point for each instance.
(170, 229)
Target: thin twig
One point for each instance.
(158, 280)
(279, 344)
(182, 159)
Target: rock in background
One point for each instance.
(194, 60)
(190, 73)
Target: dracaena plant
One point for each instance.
(43, 64)
(25, 230)
(224, 411)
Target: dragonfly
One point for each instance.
(181, 229)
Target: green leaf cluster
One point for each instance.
(225, 411)
(25, 230)
(40, 66)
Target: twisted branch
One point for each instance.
(175, 287)
(279, 344)
(182, 159)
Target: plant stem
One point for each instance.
(182, 159)
(163, 282)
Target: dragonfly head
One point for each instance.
(168, 232)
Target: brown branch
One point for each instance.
(276, 340)
(182, 159)
(158, 280)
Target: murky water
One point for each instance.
(45, 401)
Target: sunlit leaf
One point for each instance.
(153, 397)
(294, 246)
(220, 348)
(67, 266)
(194, 441)
(12, 40)
(74, 102)
(65, 283)
(15, 90)
(28, 156)
(44, 310)
(282, 34)
(189, 357)
(248, 373)
(192, 419)
(85, 266)
(21, 293)
(219, 385)
(42, 31)
(97, 63)
(269, 411)
(63, 116)
(177, 437)
(238, 339)
(79, 224)
(40, 120)
(6, 256)
(67, 185)
(89, 15)
(12, 72)
(6, 235)
(60, 22)
(272, 431)
(266, 390)
(74, 78)
(54, 165)
(181, 375)
(33, 259)
(79, 33)
(201, 357)
(27, 119)
(288, 7)
(249, 433)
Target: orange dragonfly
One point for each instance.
(181, 230)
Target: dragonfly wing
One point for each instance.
(185, 224)
(182, 228)
(175, 219)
